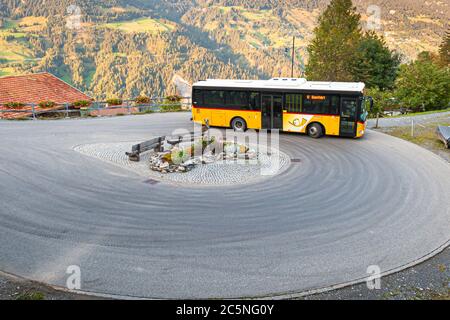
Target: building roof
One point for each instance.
(35, 88)
(284, 84)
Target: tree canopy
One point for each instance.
(423, 84)
(340, 51)
(336, 41)
(374, 63)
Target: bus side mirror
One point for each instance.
(371, 103)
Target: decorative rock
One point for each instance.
(189, 162)
(164, 165)
(180, 158)
(229, 148)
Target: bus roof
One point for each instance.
(284, 84)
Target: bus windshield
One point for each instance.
(365, 107)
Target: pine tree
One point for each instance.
(375, 64)
(333, 50)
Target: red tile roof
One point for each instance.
(35, 88)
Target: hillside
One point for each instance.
(129, 47)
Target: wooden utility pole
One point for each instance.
(293, 56)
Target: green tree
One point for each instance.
(444, 50)
(423, 84)
(337, 37)
(382, 100)
(375, 64)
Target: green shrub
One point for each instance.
(147, 111)
(174, 98)
(142, 100)
(47, 104)
(14, 105)
(114, 102)
(170, 108)
(30, 296)
(180, 155)
(172, 104)
(81, 104)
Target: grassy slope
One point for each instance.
(14, 49)
(147, 25)
(263, 28)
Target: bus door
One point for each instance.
(349, 113)
(272, 111)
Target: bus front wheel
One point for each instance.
(315, 130)
(239, 125)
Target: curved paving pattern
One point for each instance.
(347, 205)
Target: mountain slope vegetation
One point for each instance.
(129, 47)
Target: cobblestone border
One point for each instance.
(215, 174)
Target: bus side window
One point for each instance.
(335, 103)
(214, 98)
(237, 99)
(254, 101)
(294, 103)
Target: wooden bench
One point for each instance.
(155, 144)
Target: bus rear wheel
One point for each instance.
(239, 125)
(315, 131)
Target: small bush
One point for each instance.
(30, 296)
(81, 104)
(180, 156)
(46, 104)
(148, 111)
(172, 104)
(174, 98)
(142, 100)
(14, 105)
(171, 108)
(114, 102)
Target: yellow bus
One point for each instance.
(288, 104)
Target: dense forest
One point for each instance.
(130, 47)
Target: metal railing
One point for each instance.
(96, 108)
